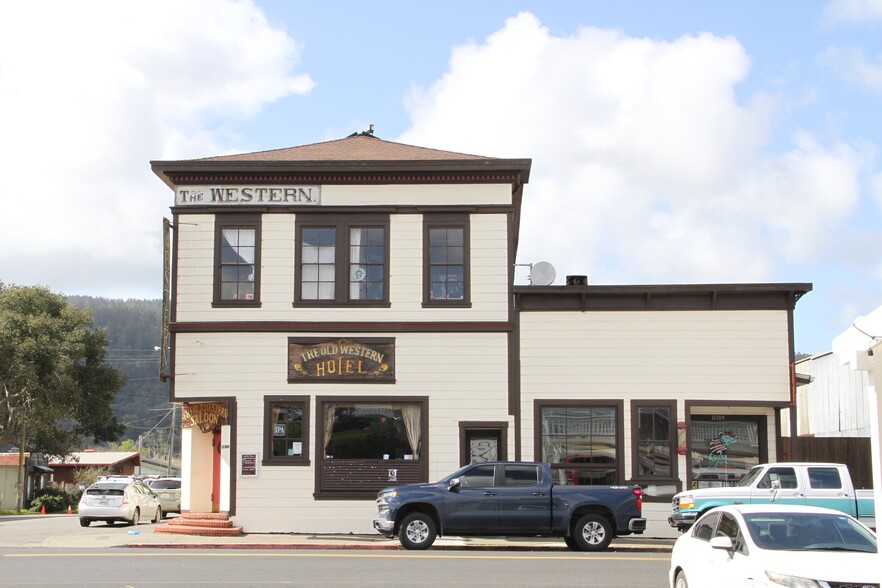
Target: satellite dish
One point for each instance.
(541, 273)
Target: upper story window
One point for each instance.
(446, 260)
(237, 261)
(342, 260)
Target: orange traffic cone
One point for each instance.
(69, 511)
(43, 510)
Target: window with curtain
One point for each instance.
(355, 431)
(286, 430)
(237, 260)
(342, 261)
(581, 442)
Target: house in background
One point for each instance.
(834, 403)
(37, 474)
(118, 463)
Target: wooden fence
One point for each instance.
(852, 451)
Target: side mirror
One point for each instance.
(776, 485)
(721, 543)
(453, 484)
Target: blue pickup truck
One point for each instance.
(509, 499)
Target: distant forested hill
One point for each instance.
(133, 327)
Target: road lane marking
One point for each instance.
(165, 553)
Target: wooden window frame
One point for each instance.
(618, 405)
(268, 458)
(447, 221)
(644, 480)
(467, 426)
(342, 225)
(236, 221)
(374, 473)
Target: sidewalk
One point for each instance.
(147, 538)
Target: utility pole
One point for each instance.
(171, 440)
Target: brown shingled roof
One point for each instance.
(358, 147)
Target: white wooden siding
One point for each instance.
(489, 274)
(465, 377)
(836, 403)
(664, 355)
(416, 194)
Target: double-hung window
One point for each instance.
(446, 260)
(237, 260)
(342, 260)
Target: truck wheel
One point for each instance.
(417, 531)
(593, 533)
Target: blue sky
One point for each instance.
(672, 142)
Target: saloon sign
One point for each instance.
(341, 360)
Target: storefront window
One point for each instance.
(286, 421)
(581, 443)
(654, 442)
(372, 431)
(723, 448)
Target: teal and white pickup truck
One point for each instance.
(814, 484)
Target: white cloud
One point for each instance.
(853, 11)
(852, 65)
(646, 166)
(93, 91)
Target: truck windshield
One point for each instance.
(750, 477)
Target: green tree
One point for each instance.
(55, 387)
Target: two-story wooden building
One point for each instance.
(343, 317)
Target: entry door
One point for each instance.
(215, 471)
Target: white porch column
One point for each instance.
(225, 470)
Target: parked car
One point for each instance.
(775, 545)
(118, 499)
(813, 484)
(169, 492)
(509, 498)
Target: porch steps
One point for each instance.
(204, 524)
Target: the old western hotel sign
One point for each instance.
(313, 359)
